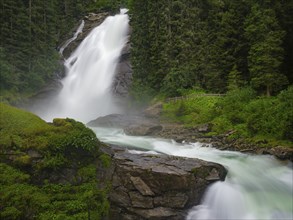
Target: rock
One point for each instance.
(140, 185)
(154, 111)
(143, 129)
(113, 120)
(157, 186)
(123, 77)
(283, 153)
(140, 201)
(132, 124)
(204, 128)
(176, 200)
(91, 21)
(157, 213)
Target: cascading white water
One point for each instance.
(86, 92)
(257, 187)
(78, 31)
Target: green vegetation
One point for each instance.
(20, 199)
(251, 117)
(242, 48)
(48, 171)
(216, 45)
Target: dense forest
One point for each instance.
(243, 49)
(215, 45)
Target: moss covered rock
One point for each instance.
(48, 170)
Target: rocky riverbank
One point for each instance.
(152, 186)
(200, 133)
(149, 123)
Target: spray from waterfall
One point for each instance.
(90, 71)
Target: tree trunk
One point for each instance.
(268, 91)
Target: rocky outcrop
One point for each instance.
(132, 124)
(154, 111)
(143, 129)
(146, 186)
(91, 21)
(123, 76)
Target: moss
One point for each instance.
(65, 143)
(200, 172)
(106, 160)
(24, 160)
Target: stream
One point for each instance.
(256, 187)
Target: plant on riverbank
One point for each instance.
(251, 117)
(193, 111)
(22, 200)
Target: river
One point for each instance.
(257, 187)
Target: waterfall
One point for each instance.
(90, 71)
(78, 31)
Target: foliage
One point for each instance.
(106, 160)
(242, 111)
(215, 45)
(58, 142)
(266, 53)
(22, 200)
(40, 150)
(196, 110)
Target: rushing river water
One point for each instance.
(257, 187)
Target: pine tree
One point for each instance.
(234, 79)
(265, 38)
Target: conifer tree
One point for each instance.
(265, 39)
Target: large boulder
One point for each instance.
(143, 129)
(131, 124)
(147, 186)
(154, 111)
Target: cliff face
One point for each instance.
(146, 186)
(90, 22)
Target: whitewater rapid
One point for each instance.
(256, 187)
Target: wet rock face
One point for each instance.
(123, 77)
(91, 21)
(148, 186)
(132, 124)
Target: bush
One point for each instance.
(269, 118)
(221, 125)
(233, 103)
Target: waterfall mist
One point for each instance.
(90, 71)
